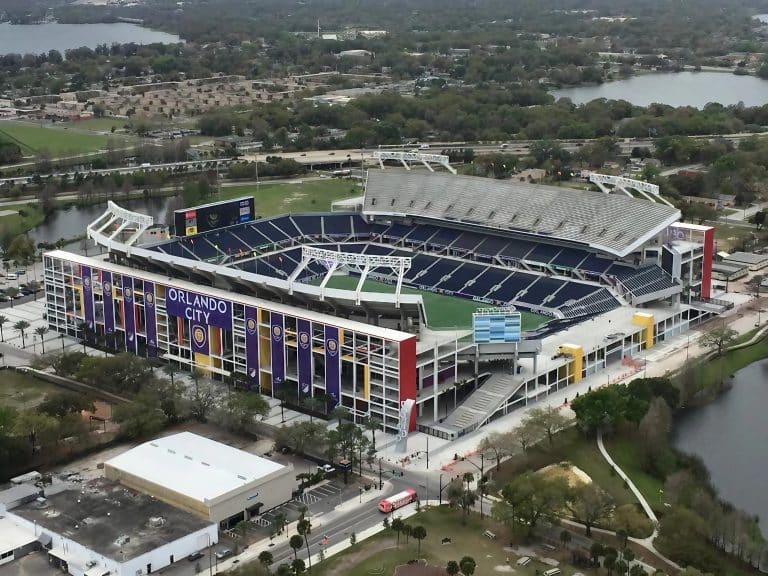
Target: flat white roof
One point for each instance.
(13, 536)
(195, 466)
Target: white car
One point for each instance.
(12, 276)
(327, 468)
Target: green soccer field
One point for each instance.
(58, 141)
(443, 312)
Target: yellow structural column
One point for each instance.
(576, 352)
(647, 321)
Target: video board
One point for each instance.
(493, 325)
(199, 219)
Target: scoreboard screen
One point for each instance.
(495, 326)
(199, 219)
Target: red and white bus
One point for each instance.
(397, 501)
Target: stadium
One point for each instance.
(439, 303)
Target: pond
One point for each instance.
(731, 437)
(72, 222)
(676, 89)
(39, 38)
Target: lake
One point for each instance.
(39, 38)
(731, 437)
(71, 222)
(676, 89)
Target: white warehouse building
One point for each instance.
(215, 481)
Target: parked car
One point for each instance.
(12, 276)
(223, 553)
(20, 272)
(195, 556)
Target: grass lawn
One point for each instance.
(99, 124)
(624, 452)
(572, 446)
(19, 390)
(710, 373)
(29, 215)
(380, 555)
(309, 196)
(442, 311)
(729, 236)
(57, 141)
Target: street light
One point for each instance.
(482, 477)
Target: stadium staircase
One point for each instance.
(481, 404)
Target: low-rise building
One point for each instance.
(205, 477)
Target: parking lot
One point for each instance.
(318, 499)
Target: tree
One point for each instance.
(304, 528)
(535, 497)
(527, 434)
(419, 532)
(565, 537)
(372, 424)
(243, 408)
(718, 338)
(499, 445)
(408, 531)
(547, 420)
(42, 331)
(21, 327)
(452, 568)
(203, 397)
(397, 526)
(266, 559)
(609, 562)
(296, 542)
(3, 321)
(298, 566)
(600, 409)
(60, 404)
(140, 418)
(595, 551)
(467, 565)
(758, 218)
(589, 505)
(38, 428)
(341, 413)
(284, 570)
(68, 363)
(21, 249)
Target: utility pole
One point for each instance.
(381, 484)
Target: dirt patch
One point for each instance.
(572, 474)
(419, 570)
(350, 561)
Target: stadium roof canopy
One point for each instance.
(612, 223)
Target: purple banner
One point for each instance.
(129, 318)
(199, 338)
(252, 346)
(150, 318)
(109, 304)
(198, 308)
(277, 331)
(304, 336)
(332, 366)
(88, 312)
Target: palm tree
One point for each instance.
(452, 568)
(84, 330)
(304, 528)
(42, 331)
(408, 531)
(296, 542)
(419, 532)
(372, 424)
(3, 320)
(397, 526)
(565, 537)
(266, 559)
(21, 326)
(170, 370)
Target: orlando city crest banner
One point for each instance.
(88, 313)
(304, 330)
(150, 317)
(252, 345)
(278, 351)
(109, 305)
(129, 317)
(199, 337)
(332, 365)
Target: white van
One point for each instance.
(12, 276)
(552, 572)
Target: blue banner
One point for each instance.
(109, 304)
(198, 308)
(129, 318)
(252, 345)
(332, 366)
(199, 338)
(88, 313)
(304, 337)
(277, 332)
(150, 318)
